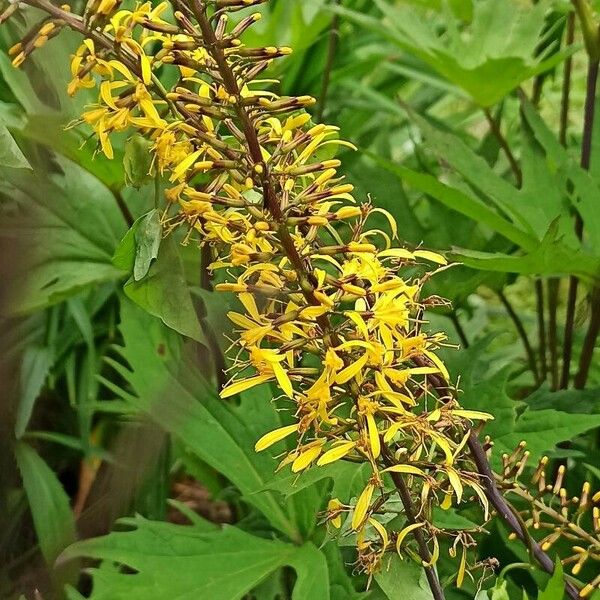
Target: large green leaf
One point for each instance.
(158, 283)
(167, 386)
(10, 153)
(191, 562)
(403, 580)
(514, 421)
(67, 226)
(49, 504)
(488, 60)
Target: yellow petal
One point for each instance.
(184, 165)
(381, 530)
(305, 458)
(362, 506)
(406, 470)
(245, 384)
(374, 442)
(335, 453)
(456, 484)
(352, 370)
(431, 256)
(462, 568)
(404, 533)
(282, 379)
(146, 69)
(475, 415)
(397, 253)
(274, 436)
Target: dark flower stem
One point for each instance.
(554, 284)
(409, 512)
(497, 132)
(459, 329)
(493, 493)
(541, 321)
(334, 35)
(522, 334)
(592, 334)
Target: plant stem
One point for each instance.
(459, 329)
(589, 343)
(495, 129)
(123, 207)
(503, 508)
(409, 512)
(522, 334)
(586, 152)
(539, 294)
(566, 84)
(553, 289)
(554, 284)
(334, 35)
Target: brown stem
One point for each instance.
(522, 334)
(123, 208)
(459, 329)
(586, 153)
(541, 326)
(495, 129)
(409, 511)
(553, 289)
(334, 35)
(493, 494)
(589, 343)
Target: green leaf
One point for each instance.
(550, 258)
(188, 562)
(403, 580)
(555, 589)
(10, 153)
(167, 386)
(164, 292)
(148, 236)
(513, 420)
(35, 367)
(487, 60)
(460, 202)
(137, 160)
(79, 222)
(49, 504)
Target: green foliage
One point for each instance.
(48, 502)
(195, 561)
(109, 326)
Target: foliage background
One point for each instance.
(112, 342)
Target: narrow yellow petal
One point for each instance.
(362, 506)
(282, 379)
(405, 470)
(351, 370)
(431, 256)
(462, 568)
(374, 442)
(184, 165)
(336, 453)
(305, 458)
(237, 387)
(404, 533)
(475, 415)
(381, 530)
(274, 436)
(456, 484)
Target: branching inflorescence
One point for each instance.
(333, 307)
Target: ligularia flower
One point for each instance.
(332, 309)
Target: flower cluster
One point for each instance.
(554, 514)
(333, 308)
